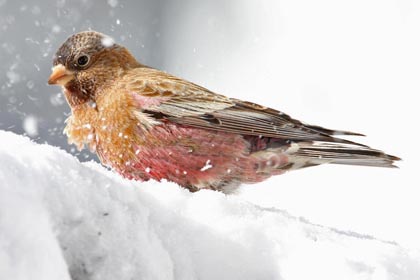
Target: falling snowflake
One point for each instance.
(107, 42)
(30, 125)
(113, 3)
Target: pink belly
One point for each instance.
(193, 158)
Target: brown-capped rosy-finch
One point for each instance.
(147, 124)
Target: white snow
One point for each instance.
(56, 28)
(13, 76)
(87, 125)
(206, 166)
(60, 218)
(57, 99)
(30, 125)
(113, 3)
(107, 42)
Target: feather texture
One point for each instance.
(185, 103)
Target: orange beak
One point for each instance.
(60, 75)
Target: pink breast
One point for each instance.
(190, 156)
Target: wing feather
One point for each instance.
(186, 103)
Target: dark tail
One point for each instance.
(315, 153)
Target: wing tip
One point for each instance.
(332, 132)
(393, 161)
(350, 133)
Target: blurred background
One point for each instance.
(351, 65)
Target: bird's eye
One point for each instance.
(82, 60)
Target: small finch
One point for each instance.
(147, 124)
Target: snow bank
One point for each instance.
(62, 219)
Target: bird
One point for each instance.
(147, 124)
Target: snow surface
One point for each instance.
(62, 219)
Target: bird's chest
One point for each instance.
(109, 128)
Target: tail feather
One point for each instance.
(315, 153)
(327, 131)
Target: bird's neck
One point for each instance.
(126, 59)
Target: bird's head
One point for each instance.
(88, 62)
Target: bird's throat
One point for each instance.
(75, 95)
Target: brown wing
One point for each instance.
(186, 103)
